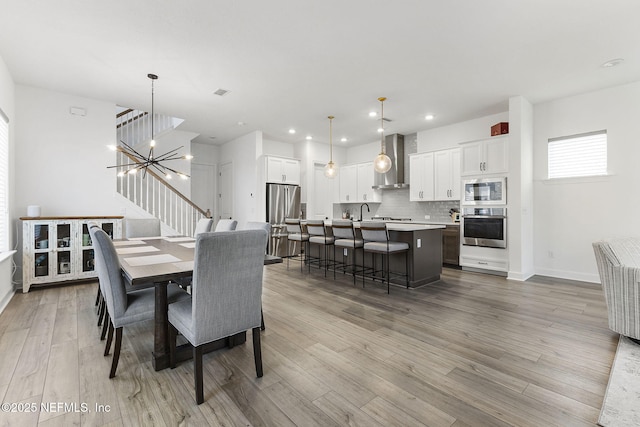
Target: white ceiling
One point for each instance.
(291, 63)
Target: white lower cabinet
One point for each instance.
(58, 249)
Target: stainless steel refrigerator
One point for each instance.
(283, 201)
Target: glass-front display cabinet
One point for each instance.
(57, 249)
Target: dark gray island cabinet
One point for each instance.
(425, 252)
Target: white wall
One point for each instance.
(244, 153)
(171, 140)
(277, 148)
(571, 214)
(450, 136)
(61, 159)
(7, 104)
(310, 153)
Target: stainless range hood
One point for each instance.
(394, 178)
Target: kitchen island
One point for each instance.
(425, 251)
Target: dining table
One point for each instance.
(161, 260)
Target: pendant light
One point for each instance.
(330, 170)
(138, 161)
(382, 162)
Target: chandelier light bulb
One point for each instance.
(152, 143)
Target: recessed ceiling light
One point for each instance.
(380, 130)
(292, 131)
(612, 63)
(343, 139)
(241, 123)
(373, 114)
(212, 137)
(429, 117)
(308, 138)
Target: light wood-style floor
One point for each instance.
(471, 350)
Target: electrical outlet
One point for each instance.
(419, 243)
(427, 217)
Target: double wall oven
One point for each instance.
(484, 212)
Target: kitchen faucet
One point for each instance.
(364, 204)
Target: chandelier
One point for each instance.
(140, 162)
(382, 162)
(330, 170)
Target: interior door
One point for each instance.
(322, 194)
(225, 194)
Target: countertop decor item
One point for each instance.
(330, 170)
(141, 162)
(382, 162)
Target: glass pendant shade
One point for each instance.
(382, 163)
(330, 169)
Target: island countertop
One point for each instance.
(398, 226)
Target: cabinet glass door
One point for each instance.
(41, 234)
(63, 243)
(107, 227)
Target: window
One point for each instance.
(578, 155)
(4, 182)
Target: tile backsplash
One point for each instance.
(396, 204)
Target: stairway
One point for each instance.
(150, 191)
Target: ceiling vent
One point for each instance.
(221, 92)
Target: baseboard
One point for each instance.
(570, 275)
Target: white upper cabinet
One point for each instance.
(282, 170)
(421, 185)
(356, 182)
(486, 156)
(365, 183)
(348, 184)
(447, 174)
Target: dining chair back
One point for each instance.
(142, 227)
(226, 225)
(226, 295)
(203, 226)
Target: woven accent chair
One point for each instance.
(619, 267)
(226, 296)
(143, 227)
(226, 225)
(123, 308)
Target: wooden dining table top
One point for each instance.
(160, 258)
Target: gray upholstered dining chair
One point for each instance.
(376, 241)
(226, 225)
(123, 308)
(256, 225)
(203, 226)
(141, 227)
(226, 296)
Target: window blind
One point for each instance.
(578, 155)
(4, 182)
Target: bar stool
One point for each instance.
(376, 241)
(345, 239)
(318, 236)
(294, 232)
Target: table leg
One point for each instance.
(161, 338)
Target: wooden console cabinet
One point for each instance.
(58, 249)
